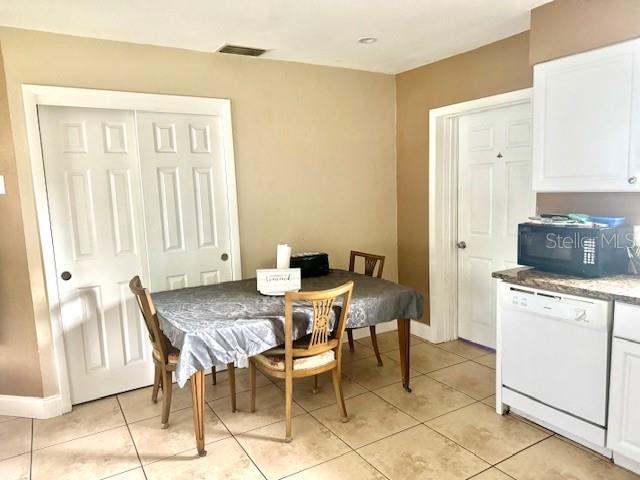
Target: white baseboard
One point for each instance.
(380, 328)
(418, 329)
(627, 463)
(32, 407)
(422, 330)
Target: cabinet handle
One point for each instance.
(632, 180)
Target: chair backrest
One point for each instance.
(148, 310)
(370, 261)
(322, 302)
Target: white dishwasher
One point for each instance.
(554, 351)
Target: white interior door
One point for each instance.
(93, 186)
(494, 195)
(186, 199)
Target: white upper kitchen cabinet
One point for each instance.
(586, 121)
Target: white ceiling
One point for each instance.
(410, 32)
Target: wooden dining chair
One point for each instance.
(316, 353)
(165, 356)
(370, 262)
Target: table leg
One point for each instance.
(404, 334)
(197, 397)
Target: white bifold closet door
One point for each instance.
(93, 186)
(185, 197)
(130, 193)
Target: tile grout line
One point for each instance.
(495, 465)
(478, 456)
(461, 446)
(126, 471)
(175, 454)
(372, 466)
(85, 435)
(396, 407)
(247, 454)
(133, 441)
(311, 466)
(387, 436)
(432, 418)
(171, 455)
(488, 469)
(256, 428)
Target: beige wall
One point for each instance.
(496, 68)
(20, 372)
(565, 27)
(314, 149)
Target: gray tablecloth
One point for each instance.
(231, 321)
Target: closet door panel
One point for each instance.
(185, 197)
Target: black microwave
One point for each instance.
(575, 250)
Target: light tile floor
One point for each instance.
(445, 429)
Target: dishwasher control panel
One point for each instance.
(565, 308)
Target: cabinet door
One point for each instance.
(624, 399)
(586, 121)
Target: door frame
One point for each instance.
(443, 208)
(34, 95)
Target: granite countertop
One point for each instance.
(622, 288)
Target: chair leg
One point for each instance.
(288, 400)
(374, 342)
(315, 384)
(350, 338)
(157, 379)
(214, 380)
(252, 384)
(166, 397)
(337, 387)
(231, 370)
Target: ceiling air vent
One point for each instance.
(238, 50)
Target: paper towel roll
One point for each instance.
(283, 256)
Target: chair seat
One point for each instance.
(173, 355)
(274, 360)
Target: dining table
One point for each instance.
(231, 322)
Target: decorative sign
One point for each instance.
(278, 281)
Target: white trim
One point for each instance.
(417, 328)
(380, 328)
(443, 163)
(34, 95)
(626, 462)
(32, 407)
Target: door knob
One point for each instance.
(632, 180)
(224, 257)
(65, 275)
(461, 245)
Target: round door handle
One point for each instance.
(461, 245)
(224, 257)
(632, 180)
(65, 276)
